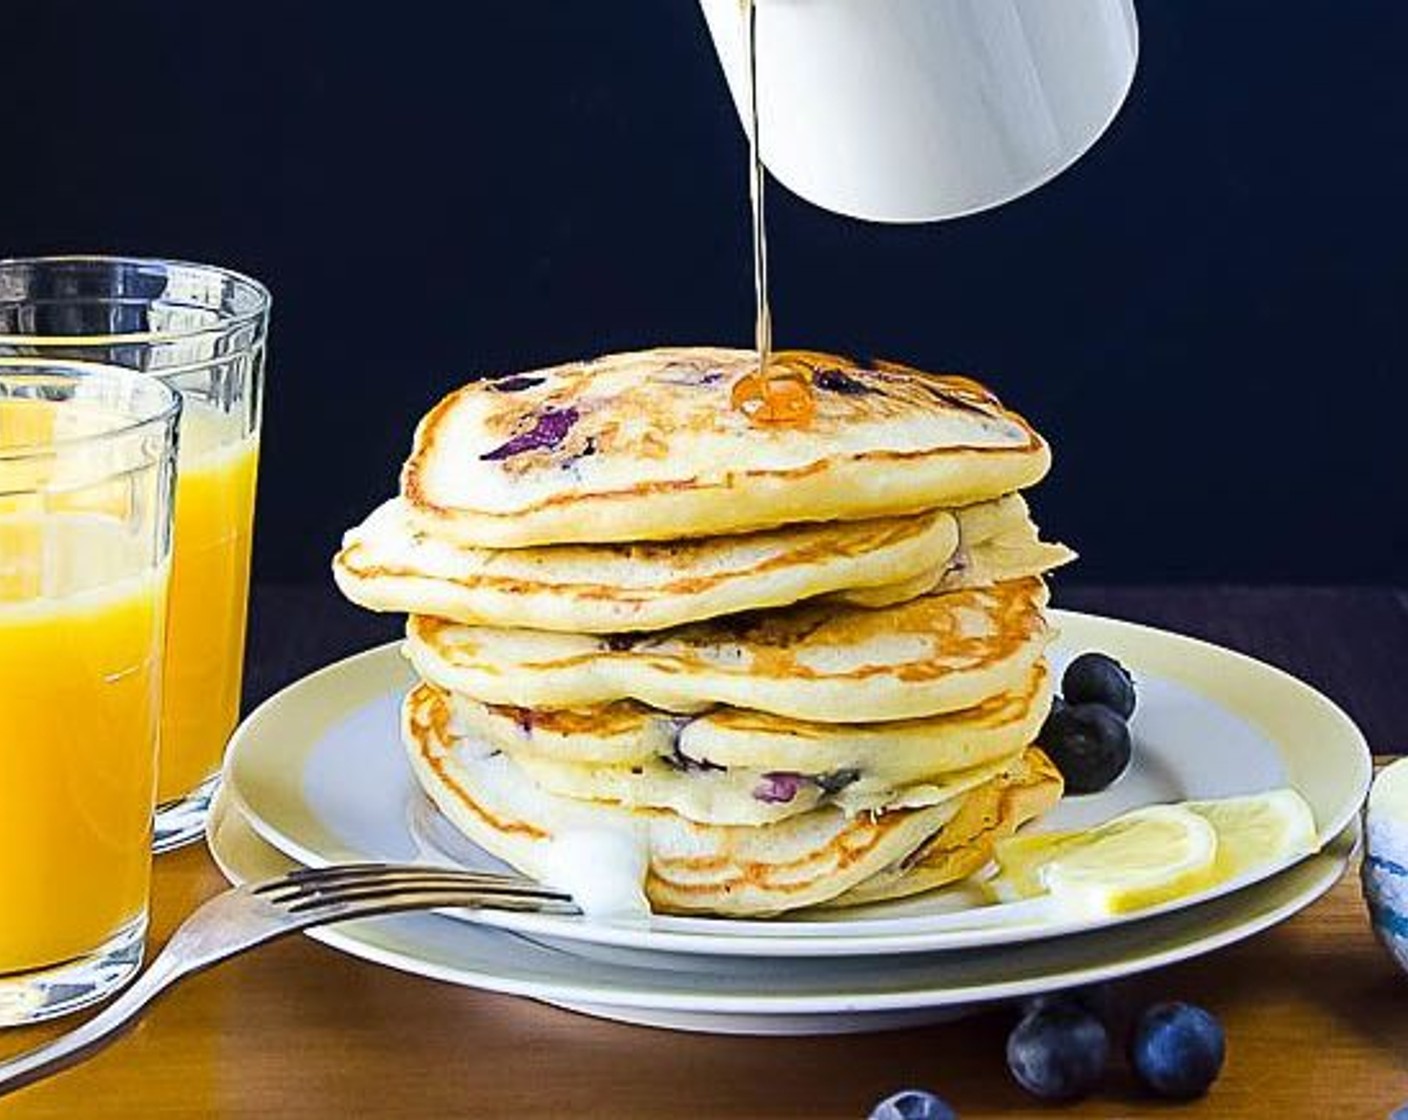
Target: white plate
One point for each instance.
(769, 996)
(320, 773)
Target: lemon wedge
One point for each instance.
(1155, 854)
(1258, 831)
(1139, 859)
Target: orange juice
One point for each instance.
(80, 679)
(209, 594)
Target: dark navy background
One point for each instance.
(1205, 315)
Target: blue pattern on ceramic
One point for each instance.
(1384, 872)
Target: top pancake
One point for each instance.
(650, 446)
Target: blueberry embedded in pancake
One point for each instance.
(896, 753)
(650, 446)
(688, 867)
(728, 766)
(739, 795)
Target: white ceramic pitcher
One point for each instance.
(914, 110)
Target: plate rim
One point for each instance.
(352, 939)
(901, 934)
(1364, 771)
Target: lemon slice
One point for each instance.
(1259, 831)
(1021, 862)
(1141, 858)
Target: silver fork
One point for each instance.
(250, 915)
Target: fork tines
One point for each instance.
(400, 886)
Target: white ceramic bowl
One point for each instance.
(1385, 868)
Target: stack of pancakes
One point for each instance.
(744, 662)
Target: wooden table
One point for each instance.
(1316, 1015)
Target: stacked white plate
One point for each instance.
(317, 776)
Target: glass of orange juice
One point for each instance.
(203, 331)
(87, 470)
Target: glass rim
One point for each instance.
(39, 369)
(264, 301)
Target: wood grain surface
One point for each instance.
(1316, 1016)
(1316, 1013)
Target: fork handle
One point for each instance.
(227, 924)
(189, 949)
(78, 1043)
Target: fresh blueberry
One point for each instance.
(1093, 678)
(913, 1104)
(1058, 1052)
(1101, 1000)
(1089, 744)
(1177, 1050)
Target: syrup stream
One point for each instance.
(756, 184)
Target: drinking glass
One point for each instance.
(87, 470)
(203, 331)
